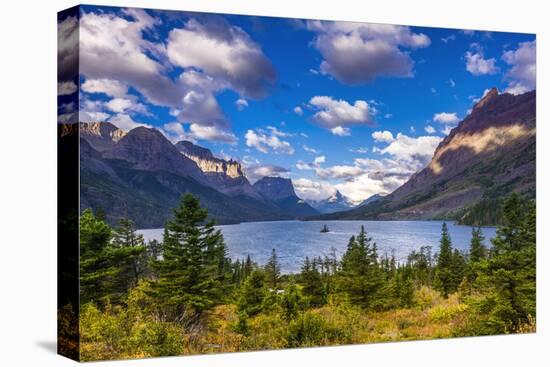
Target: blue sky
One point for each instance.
(333, 105)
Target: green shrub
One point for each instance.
(311, 329)
(445, 313)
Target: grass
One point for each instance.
(121, 334)
(432, 317)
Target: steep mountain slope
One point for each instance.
(225, 175)
(142, 176)
(488, 155)
(147, 149)
(334, 203)
(281, 192)
(371, 199)
(101, 136)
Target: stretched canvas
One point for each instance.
(235, 183)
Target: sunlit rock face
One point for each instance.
(496, 121)
(207, 162)
(488, 155)
(492, 147)
(224, 175)
(101, 135)
(148, 149)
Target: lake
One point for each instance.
(294, 240)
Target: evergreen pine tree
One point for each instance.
(458, 269)
(510, 271)
(154, 250)
(100, 214)
(291, 302)
(101, 263)
(192, 272)
(135, 261)
(312, 285)
(404, 288)
(477, 248)
(477, 253)
(252, 294)
(248, 266)
(273, 270)
(444, 280)
(360, 277)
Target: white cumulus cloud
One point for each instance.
(383, 136)
(333, 113)
(255, 172)
(312, 189)
(340, 131)
(522, 74)
(265, 142)
(446, 118)
(477, 64)
(223, 51)
(66, 88)
(125, 122)
(429, 129)
(419, 149)
(212, 133)
(110, 87)
(241, 104)
(356, 53)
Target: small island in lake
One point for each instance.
(325, 229)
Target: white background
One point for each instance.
(28, 182)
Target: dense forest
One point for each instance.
(185, 296)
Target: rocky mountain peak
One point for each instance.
(275, 188)
(148, 149)
(334, 203)
(337, 196)
(191, 149)
(491, 153)
(207, 162)
(102, 129)
(489, 96)
(101, 135)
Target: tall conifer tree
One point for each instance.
(191, 273)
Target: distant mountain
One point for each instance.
(225, 175)
(490, 154)
(142, 175)
(371, 199)
(334, 203)
(101, 136)
(281, 192)
(147, 149)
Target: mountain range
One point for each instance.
(491, 153)
(334, 203)
(141, 175)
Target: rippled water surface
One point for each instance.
(294, 240)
